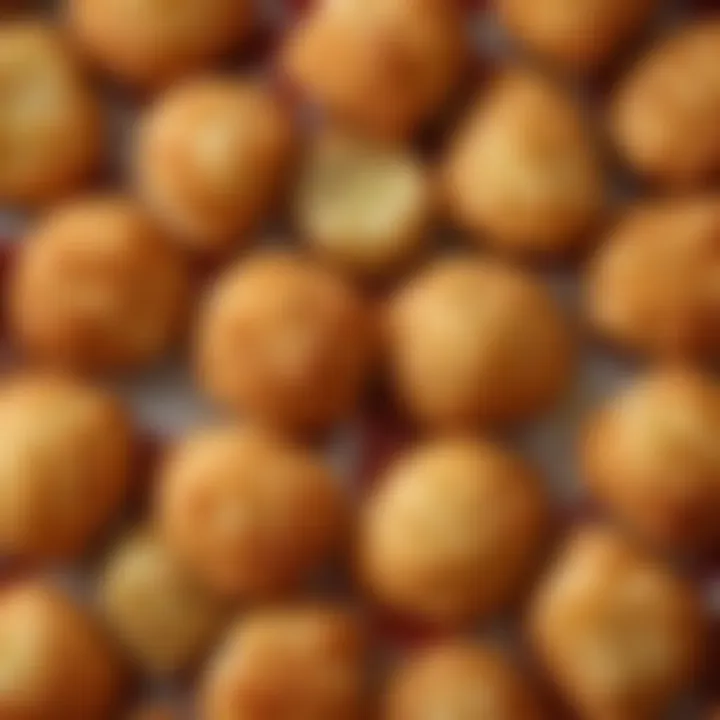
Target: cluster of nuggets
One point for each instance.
(243, 517)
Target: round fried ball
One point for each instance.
(652, 455)
(96, 287)
(162, 619)
(653, 286)
(284, 340)
(452, 531)
(212, 155)
(65, 466)
(460, 681)
(381, 66)
(288, 663)
(577, 34)
(150, 43)
(54, 663)
(522, 173)
(618, 632)
(666, 113)
(249, 515)
(362, 205)
(50, 123)
(473, 342)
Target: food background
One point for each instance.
(166, 403)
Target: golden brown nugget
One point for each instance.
(652, 286)
(212, 156)
(578, 35)
(51, 130)
(54, 664)
(148, 44)
(383, 67)
(462, 680)
(97, 288)
(665, 115)
(651, 454)
(452, 532)
(249, 515)
(474, 343)
(619, 634)
(304, 662)
(65, 466)
(523, 174)
(285, 341)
